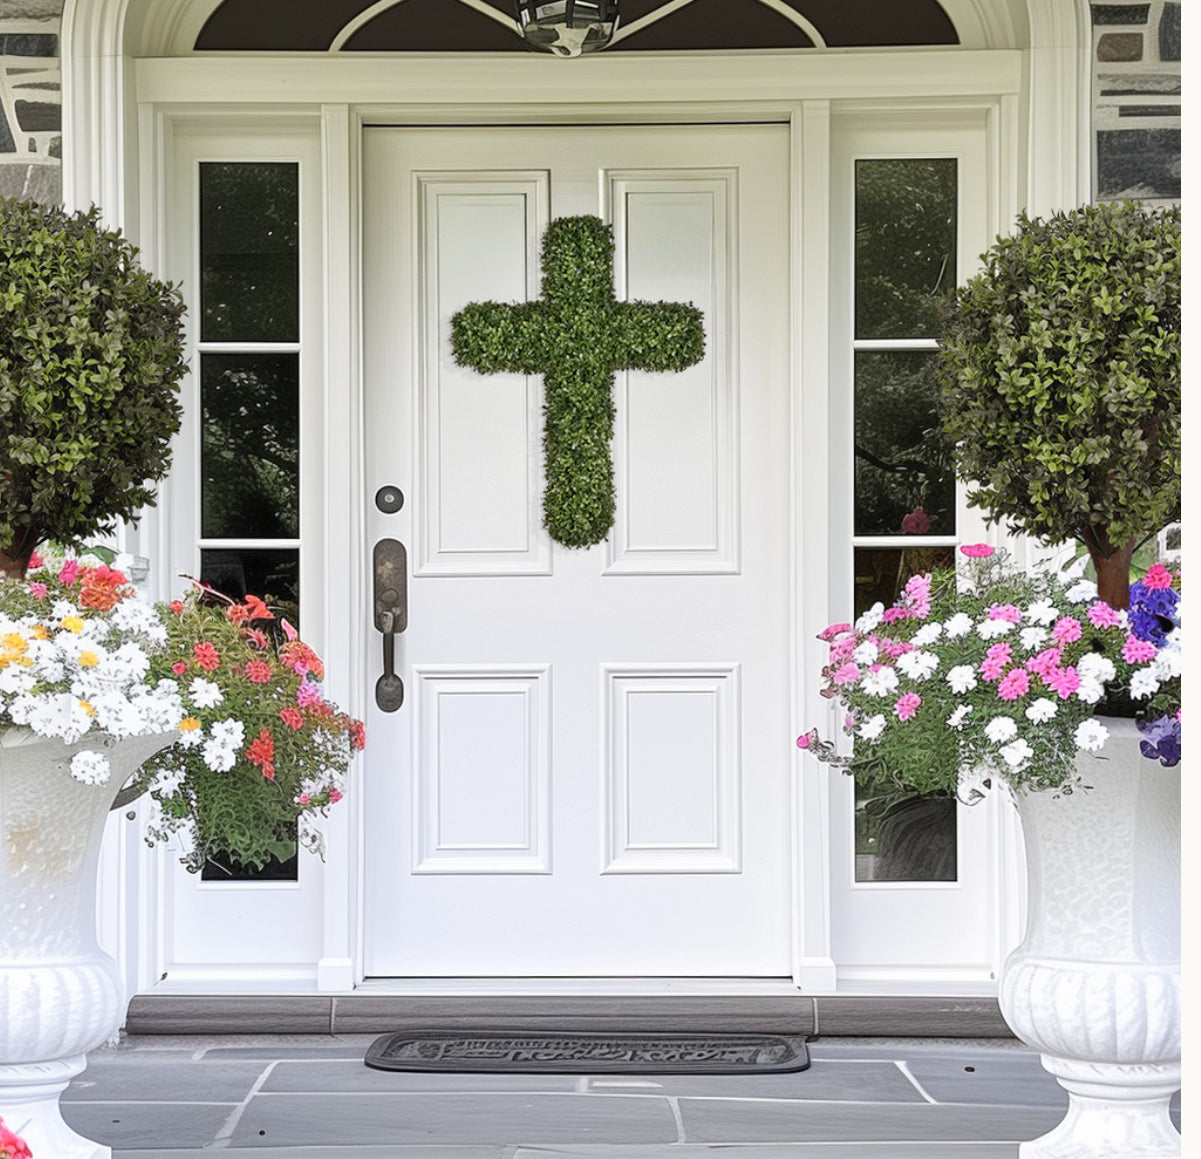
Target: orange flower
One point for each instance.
(258, 671)
(101, 588)
(302, 659)
(262, 753)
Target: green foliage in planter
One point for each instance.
(1060, 369)
(91, 353)
(577, 336)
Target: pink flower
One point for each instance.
(976, 550)
(833, 630)
(895, 648)
(1101, 615)
(36, 561)
(289, 631)
(1064, 681)
(1046, 661)
(38, 591)
(291, 717)
(179, 667)
(335, 795)
(1067, 630)
(996, 661)
(1001, 651)
(1015, 684)
(1007, 612)
(917, 522)
(1136, 651)
(308, 694)
(804, 740)
(907, 705)
(1157, 576)
(847, 674)
(69, 572)
(891, 615)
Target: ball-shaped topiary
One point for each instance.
(91, 354)
(1060, 371)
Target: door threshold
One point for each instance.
(471, 987)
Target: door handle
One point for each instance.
(391, 613)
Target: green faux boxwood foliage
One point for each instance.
(91, 353)
(577, 336)
(1060, 370)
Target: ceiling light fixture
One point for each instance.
(567, 27)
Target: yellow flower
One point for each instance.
(40, 632)
(87, 708)
(88, 659)
(188, 724)
(14, 643)
(72, 624)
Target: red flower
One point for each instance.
(206, 656)
(179, 667)
(258, 671)
(335, 796)
(101, 588)
(257, 609)
(257, 637)
(917, 522)
(358, 736)
(36, 560)
(176, 606)
(262, 753)
(302, 659)
(292, 717)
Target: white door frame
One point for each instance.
(119, 117)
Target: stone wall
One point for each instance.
(1135, 100)
(31, 141)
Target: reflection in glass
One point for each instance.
(904, 472)
(272, 574)
(900, 835)
(250, 446)
(905, 224)
(249, 251)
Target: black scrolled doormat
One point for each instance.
(517, 1052)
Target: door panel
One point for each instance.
(590, 774)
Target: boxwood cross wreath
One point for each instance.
(577, 336)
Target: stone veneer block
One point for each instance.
(39, 116)
(30, 9)
(1122, 84)
(1138, 163)
(1149, 111)
(1120, 13)
(1169, 33)
(42, 181)
(1120, 46)
(40, 44)
(6, 138)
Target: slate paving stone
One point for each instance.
(987, 1079)
(146, 1125)
(825, 1081)
(291, 1120)
(421, 1151)
(121, 1078)
(715, 1121)
(332, 1077)
(781, 1151)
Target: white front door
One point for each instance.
(590, 771)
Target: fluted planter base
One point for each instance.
(60, 994)
(1095, 985)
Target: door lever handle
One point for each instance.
(391, 614)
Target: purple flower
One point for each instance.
(1161, 740)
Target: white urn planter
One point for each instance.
(1095, 985)
(60, 994)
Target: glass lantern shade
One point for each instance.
(567, 27)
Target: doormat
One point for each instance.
(514, 1052)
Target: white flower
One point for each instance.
(882, 682)
(871, 728)
(1091, 734)
(958, 625)
(90, 768)
(221, 748)
(218, 758)
(1093, 666)
(917, 665)
(1032, 638)
(191, 738)
(927, 633)
(1090, 691)
(870, 619)
(1017, 753)
(1042, 710)
(866, 653)
(962, 678)
(1144, 683)
(1042, 612)
(229, 732)
(1000, 729)
(167, 782)
(1169, 661)
(958, 718)
(1083, 591)
(991, 629)
(204, 693)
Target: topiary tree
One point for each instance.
(1060, 371)
(91, 354)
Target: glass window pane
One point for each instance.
(905, 222)
(272, 574)
(249, 251)
(250, 446)
(904, 470)
(900, 836)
